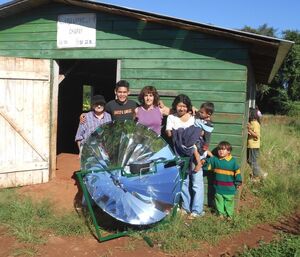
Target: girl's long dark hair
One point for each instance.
(182, 99)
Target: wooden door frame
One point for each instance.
(54, 82)
(54, 89)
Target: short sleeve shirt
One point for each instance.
(174, 122)
(252, 141)
(92, 122)
(121, 111)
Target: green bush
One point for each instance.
(294, 109)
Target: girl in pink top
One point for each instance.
(149, 113)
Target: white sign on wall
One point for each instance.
(76, 30)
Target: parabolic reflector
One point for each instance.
(130, 176)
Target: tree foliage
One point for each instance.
(261, 30)
(290, 70)
(285, 87)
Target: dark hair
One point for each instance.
(182, 99)
(209, 107)
(148, 90)
(253, 115)
(226, 145)
(122, 83)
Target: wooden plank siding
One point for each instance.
(174, 60)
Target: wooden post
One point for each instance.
(53, 119)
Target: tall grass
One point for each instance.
(281, 159)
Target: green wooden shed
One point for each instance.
(51, 49)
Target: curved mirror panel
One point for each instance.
(131, 178)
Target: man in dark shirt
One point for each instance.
(121, 108)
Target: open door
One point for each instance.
(25, 103)
(76, 75)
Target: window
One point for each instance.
(86, 97)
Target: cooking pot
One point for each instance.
(140, 167)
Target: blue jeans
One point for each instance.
(193, 193)
(253, 155)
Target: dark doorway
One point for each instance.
(97, 75)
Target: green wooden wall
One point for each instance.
(204, 67)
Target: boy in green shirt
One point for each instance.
(227, 179)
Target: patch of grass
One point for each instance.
(22, 217)
(287, 246)
(28, 221)
(69, 224)
(25, 252)
(189, 235)
(276, 196)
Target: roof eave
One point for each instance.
(283, 49)
(257, 43)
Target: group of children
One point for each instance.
(190, 131)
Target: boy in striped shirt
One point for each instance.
(227, 179)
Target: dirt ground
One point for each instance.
(65, 185)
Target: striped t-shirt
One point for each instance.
(227, 174)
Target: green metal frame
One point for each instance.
(80, 175)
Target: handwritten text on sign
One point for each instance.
(76, 30)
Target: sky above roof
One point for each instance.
(232, 14)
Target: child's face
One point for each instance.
(181, 109)
(203, 114)
(223, 152)
(122, 94)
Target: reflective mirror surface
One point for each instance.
(130, 180)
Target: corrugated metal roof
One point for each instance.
(266, 53)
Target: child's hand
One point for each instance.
(198, 167)
(194, 110)
(248, 126)
(161, 104)
(238, 187)
(164, 109)
(82, 118)
(209, 153)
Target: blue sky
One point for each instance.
(233, 14)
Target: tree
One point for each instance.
(285, 86)
(290, 70)
(261, 30)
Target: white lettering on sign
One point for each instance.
(76, 30)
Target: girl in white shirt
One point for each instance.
(183, 119)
